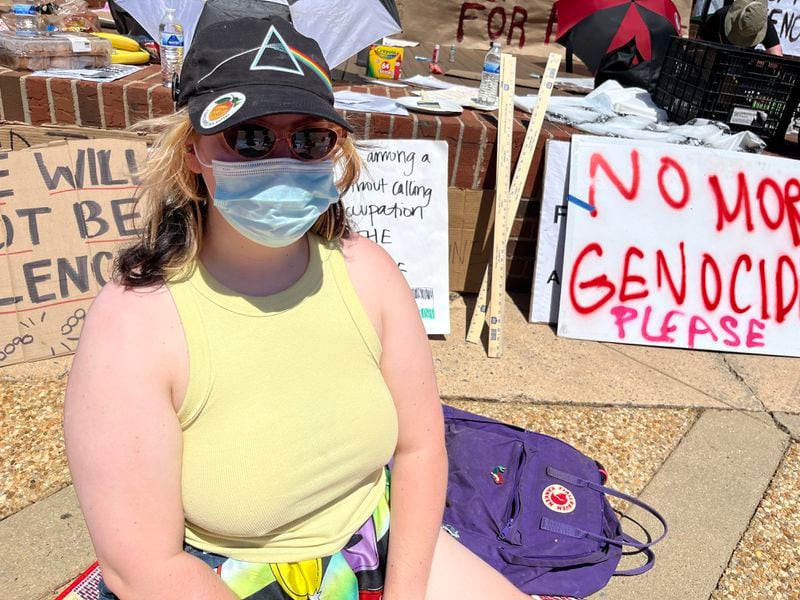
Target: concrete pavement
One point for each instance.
(707, 503)
(44, 546)
(735, 418)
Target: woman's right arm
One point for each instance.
(124, 446)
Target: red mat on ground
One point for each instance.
(85, 587)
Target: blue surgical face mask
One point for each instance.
(273, 202)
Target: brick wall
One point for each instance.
(470, 136)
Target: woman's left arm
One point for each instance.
(419, 470)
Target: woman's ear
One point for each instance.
(191, 159)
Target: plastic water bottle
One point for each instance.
(170, 32)
(490, 77)
(26, 19)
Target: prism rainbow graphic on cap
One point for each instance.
(315, 67)
(274, 41)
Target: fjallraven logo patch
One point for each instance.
(558, 499)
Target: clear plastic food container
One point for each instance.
(56, 50)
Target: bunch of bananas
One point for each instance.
(126, 51)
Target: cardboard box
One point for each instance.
(471, 214)
(385, 62)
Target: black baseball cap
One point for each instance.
(246, 68)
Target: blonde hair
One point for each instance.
(175, 204)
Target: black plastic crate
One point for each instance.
(743, 88)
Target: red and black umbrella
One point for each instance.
(593, 28)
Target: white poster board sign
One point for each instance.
(684, 247)
(785, 15)
(552, 229)
(400, 202)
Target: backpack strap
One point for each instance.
(651, 560)
(553, 526)
(625, 540)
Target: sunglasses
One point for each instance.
(252, 140)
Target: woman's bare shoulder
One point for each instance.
(362, 252)
(129, 303)
(122, 316)
(129, 332)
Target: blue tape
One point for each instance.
(579, 202)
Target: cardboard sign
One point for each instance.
(519, 25)
(63, 211)
(552, 231)
(19, 136)
(785, 15)
(400, 202)
(470, 215)
(683, 247)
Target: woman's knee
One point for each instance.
(456, 572)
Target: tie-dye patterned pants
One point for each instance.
(354, 573)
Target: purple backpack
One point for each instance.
(534, 508)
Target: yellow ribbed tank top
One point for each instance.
(287, 422)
